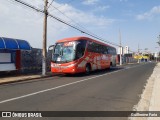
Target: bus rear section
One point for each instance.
(80, 54)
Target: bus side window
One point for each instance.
(80, 49)
(90, 47)
(105, 50)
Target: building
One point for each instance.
(122, 51)
(126, 50)
(10, 53)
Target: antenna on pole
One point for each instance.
(120, 44)
(138, 53)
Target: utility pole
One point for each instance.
(44, 51)
(159, 45)
(120, 44)
(138, 54)
(159, 40)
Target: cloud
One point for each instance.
(23, 23)
(90, 2)
(123, 0)
(81, 17)
(149, 14)
(101, 8)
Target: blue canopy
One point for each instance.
(14, 44)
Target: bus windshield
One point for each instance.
(64, 52)
(68, 51)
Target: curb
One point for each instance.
(28, 79)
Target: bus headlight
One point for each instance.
(52, 65)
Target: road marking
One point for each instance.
(46, 90)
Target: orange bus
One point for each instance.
(81, 54)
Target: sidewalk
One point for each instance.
(150, 98)
(155, 98)
(13, 77)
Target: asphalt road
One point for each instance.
(117, 89)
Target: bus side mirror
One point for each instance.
(51, 47)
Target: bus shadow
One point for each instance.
(96, 72)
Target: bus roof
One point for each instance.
(80, 38)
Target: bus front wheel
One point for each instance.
(88, 69)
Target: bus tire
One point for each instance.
(111, 65)
(88, 69)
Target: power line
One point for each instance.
(66, 23)
(30, 6)
(67, 3)
(80, 30)
(50, 4)
(70, 18)
(67, 16)
(88, 32)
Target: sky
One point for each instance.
(138, 21)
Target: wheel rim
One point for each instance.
(87, 69)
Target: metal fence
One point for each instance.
(31, 61)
